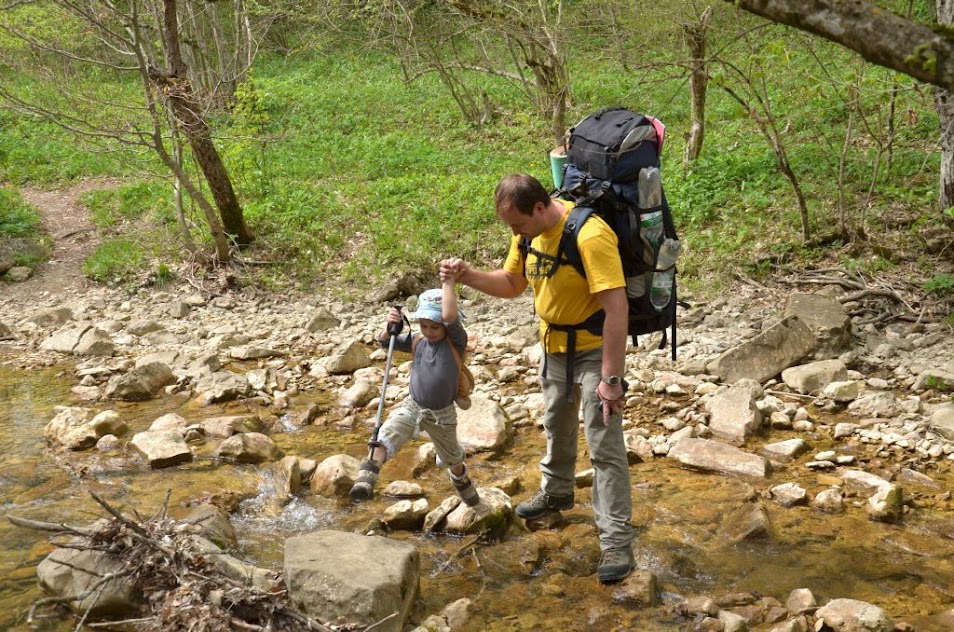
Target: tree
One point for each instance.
(886, 39)
(113, 42)
(522, 41)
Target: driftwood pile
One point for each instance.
(181, 590)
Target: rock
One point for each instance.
(162, 448)
(733, 415)
(405, 515)
(842, 391)
(639, 590)
(491, 515)
(483, 427)
(70, 572)
(887, 504)
(789, 494)
(785, 451)
(403, 489)
(213, 523)
(54, 317)
(249, 447)
(717, 457)
(801, 601)
(942, 421)
(827, 319)
(221, 386)
(356, 581)
(141, 383)
(851, 615)
(169, 421)
(223, 427)
(322, 320)
(458, 613)
(767, 354)
(335, 475)
(806, 378)
(19, 274)
(747, 523)
(359, 394)
(935, 379)
(348, 359)
(81, 340)
(79, 428)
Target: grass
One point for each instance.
(346, 172)
(22, 239)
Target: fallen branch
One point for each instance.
(469, 543)
(58, 527)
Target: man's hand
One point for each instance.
(452, 269)
(611, 400)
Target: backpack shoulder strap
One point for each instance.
(571, 231)
(456, 354)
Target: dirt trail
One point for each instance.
(74, 236)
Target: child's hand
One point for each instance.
(394, 316)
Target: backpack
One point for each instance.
(612, 171)
(465, 379)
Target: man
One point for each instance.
(583, 331)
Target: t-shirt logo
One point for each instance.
(540, 265)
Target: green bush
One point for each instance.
(17, 218)
(114, 261)
(111, 207)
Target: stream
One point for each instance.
(907, 569)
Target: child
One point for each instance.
(430, 404)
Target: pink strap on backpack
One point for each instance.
(660, 133)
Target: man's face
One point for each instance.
(528, 226)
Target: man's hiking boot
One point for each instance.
(616, 564)
(363, 488)
(542, 502)
(465, 489)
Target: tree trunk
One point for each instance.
(177, 89)
(696, 35)
(945, 110)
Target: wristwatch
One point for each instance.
(612, 380)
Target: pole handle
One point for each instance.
(395, 328)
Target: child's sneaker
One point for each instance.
(363, 488)
(465, 489)
(463, 402)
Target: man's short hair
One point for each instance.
(522, 191)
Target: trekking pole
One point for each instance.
(393, 329)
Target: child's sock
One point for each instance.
(363, 488)
(465, 487)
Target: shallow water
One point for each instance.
(681, 517)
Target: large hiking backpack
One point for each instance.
(612, 171)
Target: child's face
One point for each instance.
(433, 330)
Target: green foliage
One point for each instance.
(17, 218)
(942, 284)
(114, 260)
(22, 239)
(347, 169)
(112, 207)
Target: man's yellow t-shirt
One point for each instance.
(566, 298)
